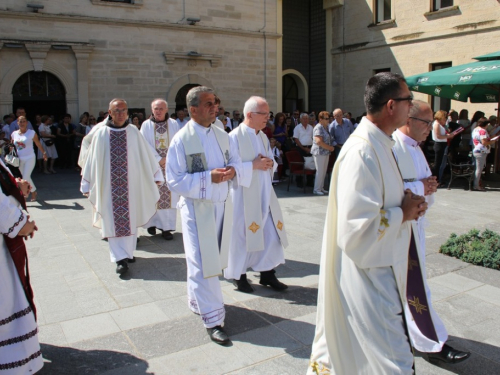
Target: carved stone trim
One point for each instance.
(213, 59)
(132, 4)
(38, 53)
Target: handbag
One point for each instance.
(48, 141)
(12, 158)
(309, 163)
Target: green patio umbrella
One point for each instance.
(478, 82)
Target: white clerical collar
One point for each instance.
(408, 140)
(248, 129)
(200, 129)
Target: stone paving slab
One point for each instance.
(94, 322)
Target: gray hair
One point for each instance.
(117, 100)
(159, 100)
(252, 104)
(193, 96)
(415, 109)
(303, 114)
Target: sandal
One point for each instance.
(33, 196)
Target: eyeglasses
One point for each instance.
(409, 99)
(118, 111)
(267, 114)
(429, 123)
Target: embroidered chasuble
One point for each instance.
(119, 182)
(214, 257)
(119, 174)
(254, 226)
(162, 140)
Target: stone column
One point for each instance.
(5, 99)
(82, 55)
(279, 56)
(329, 6)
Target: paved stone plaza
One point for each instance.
(94, 322)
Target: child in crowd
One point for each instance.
(278, 156)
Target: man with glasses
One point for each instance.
(118, 176)
(303, 138)
(258, 235)
(236, 119)
(340, 129)
(158, 131)
(418, 178)
(364, 261)
(201, 163)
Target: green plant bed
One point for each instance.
(482, 249)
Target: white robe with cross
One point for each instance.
(360, 327)
(272, 255)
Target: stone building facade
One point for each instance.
(136, 49)
(409, 37)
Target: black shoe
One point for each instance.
(166, 234)
(243, 284)
(268, 278)
(448, 355)
(121, 266)
(218, 335)
(131, 260)
(152, 230)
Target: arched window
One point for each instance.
(38, 86)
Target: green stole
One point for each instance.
(213, 258)
(254, 229)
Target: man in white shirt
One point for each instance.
(303, 137)
(418, 178)
(14, 126)
(181, 118)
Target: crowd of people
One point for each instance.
(214, 168)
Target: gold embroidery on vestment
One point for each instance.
(280, 225)
(254, 227)
(417, 305)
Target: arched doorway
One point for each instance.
(39, 93)
(180, 97)
(295, 92)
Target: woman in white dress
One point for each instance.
(23, 140)
(49, 141)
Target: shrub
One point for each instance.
(482, 249)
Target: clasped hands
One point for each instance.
(28, 230)
(263, 163)
(24, 186)
(430, 185)
(413, 206)
(222, 174)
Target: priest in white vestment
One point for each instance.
(362, 288)
(258, 235)
(417, 177)
(158, 132)
(19, 348)
(119, 177)
(200, 165)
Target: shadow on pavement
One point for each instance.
(49, 206)
(64, 361)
